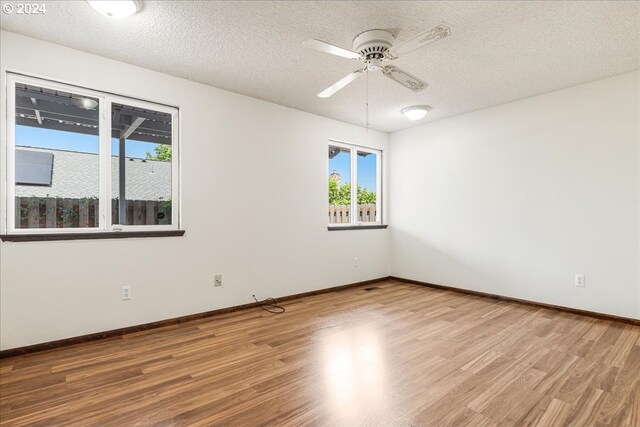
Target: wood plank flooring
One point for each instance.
(397, 355)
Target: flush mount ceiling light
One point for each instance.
(117, 9)
(415, 112)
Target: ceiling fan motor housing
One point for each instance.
(373, 44)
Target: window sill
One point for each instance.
(43, 237)
(356, 227)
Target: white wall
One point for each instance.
(512, 200)
(237, 154)
(517, 199)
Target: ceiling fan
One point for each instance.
(375, 48)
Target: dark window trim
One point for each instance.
(357, 227)
(43, 237)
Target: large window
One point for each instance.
(355, 190)
(79, 160)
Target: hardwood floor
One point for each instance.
(399, 354)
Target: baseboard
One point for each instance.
(182, 319)
(19, 351)
(522, 301)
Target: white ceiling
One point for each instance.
(498, 51)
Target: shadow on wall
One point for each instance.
(513, 274)
(474, 269)
(420, 259)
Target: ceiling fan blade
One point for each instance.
(404, 78)
(329, 48)
(423, 39)
(340, 84)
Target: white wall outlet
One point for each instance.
(580, 280)
(217, 280)
(125, 292)
(355, 262)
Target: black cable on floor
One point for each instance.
(270, 305)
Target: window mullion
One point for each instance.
(105, 165)
(379, 194)
(354, 186)
(175, 168)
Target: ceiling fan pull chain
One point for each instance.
(367, 101)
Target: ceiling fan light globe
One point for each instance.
(374, 65)
(415, 112)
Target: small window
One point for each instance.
(354, 185)
(65, 175)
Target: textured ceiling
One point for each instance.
(498, 51)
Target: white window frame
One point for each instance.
(105, 101)
(353, 150)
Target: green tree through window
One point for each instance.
(162, 152)
(340, 194)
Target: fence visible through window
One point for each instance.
(58, 212)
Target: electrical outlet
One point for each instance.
(355, 262)
(218, 280)
(125, 292)
(580, 280)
